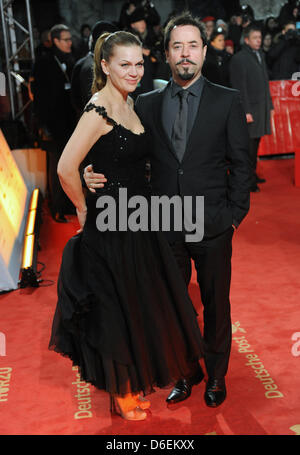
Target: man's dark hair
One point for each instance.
(251, 28)
(185, 18)
(56, 31)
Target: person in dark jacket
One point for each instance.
(284, 56)
(271, 26)
(44, 47)
(54, 111)
(235, 29)
(82, 45)
(243, 16)
(210, 24)
(216, 65)
(151, 14)
(267, 42)
(82, 76)
(290, 11)
(138, 26)
(249, 74)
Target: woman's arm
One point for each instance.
(88, 130)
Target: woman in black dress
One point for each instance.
(123, 314)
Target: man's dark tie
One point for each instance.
(180, 125)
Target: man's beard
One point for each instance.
(185, 75)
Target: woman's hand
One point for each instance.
(81, 215)
(92, 179)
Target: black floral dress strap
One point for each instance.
(101, 111)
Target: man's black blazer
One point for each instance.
(251, 79)
(216, 163)
(52, 103)
(81, 83)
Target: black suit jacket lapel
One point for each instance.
(253, 56)
(201, 124)
(158, 122)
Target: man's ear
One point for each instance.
(56, 41)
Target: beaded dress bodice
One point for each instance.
(121, 156)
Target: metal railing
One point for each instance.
(14, 43)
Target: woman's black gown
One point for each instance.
(123, 314)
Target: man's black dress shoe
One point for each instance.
(215, 392)
(183, 389)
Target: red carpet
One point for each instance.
(40, 393)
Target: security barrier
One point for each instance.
(285, 124)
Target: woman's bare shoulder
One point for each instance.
(95, 103)
(98, 99)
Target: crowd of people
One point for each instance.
(63, 70)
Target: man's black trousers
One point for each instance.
(212, 259)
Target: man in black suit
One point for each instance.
(54, 111)
(82, 75)
(249, 74)
(200, 148)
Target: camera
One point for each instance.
(247, 13)
(246, 18)
(293, 36)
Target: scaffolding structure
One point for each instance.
(17, 38)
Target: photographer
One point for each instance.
(144, 20)
(150, 13)
(284, 56)
(289, 12)
(241, 18)
(141, 18)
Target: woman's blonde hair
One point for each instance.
(104, 49)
